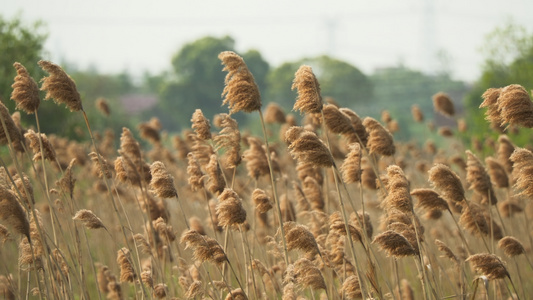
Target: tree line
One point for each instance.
(195, 79)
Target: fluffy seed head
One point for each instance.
(274, 114)
(336, 121)
(204, 248)
(309, 99)
(229, 209)
(261, 201)
(515, 106)
(511, 246)
(447, 251)
(127, 273)
(10, 130)
(489, 265)
(102, 105)
(59, 86)
(351, 288)
(12, 212)
(497, 173)
(417, 113)
(25, 90)
(447, 182)
(241, 92)
(443, 104)
(522, 171)
(395, 244)
(490, 98)
(48, 149)
(380, 140)
(201, 125)
(306, 147)
(478, 179)
(229, 139)
(162, 183)
(89, 219)
(351, 167)
(300, 238)
(429, 199)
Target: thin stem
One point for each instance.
(274, 190)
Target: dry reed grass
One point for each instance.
(128, 192)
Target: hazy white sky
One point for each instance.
(135, 35)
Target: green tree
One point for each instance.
(338, 79)
(396, 89)
(197, 81)
(508, 53)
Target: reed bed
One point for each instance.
(330, 208)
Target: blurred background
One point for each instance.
(160, 59)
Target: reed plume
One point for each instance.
(4, 234)
(102, 105)
(478, 179)
(256, 158)
(447, 182)
(429, 199)
(149, 132)
(418, 115)
(497, 173)
(351, 289)
(511, 246)
(12, 213)
(25, 187)
(523, 171)
(201, 125)
(515, 106)
(394, 244)
(351, 167)
(7, 289)
(196, 176)
(10, 132)
(448, 253)
(489, 265)
(215, 180)
(443, 104)
(261, 200)
(336, 121)
(490, 100)
(68, 182)
(25, 90)
(230, 211)
(204, 248)
(309, 100)
(88, 218)
(274, 114)
(361, 135)
(398, 196)
(229, 139)
(473, 220)
(60, 87)
(142, 244)
(194, 290)
(101, 167)
(236, 294)
(241, 92)
(300, 238)
(306, 147)
(509, 207)
(162, 183)
(127, 273)
(380, 140)
(308, 275)
(48, 149)
(505, 149)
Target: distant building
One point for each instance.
(136, 103)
